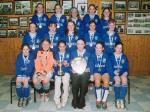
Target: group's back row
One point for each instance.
(91, 27)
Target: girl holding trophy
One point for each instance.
(62, 75)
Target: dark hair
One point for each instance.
(57, 5)
(119, 43)
(33, 23)
(52, 22)
(100, 42)
(25, 44)
(92, 5)
(106, 8)
(81, 38)
(43, 40)
(112, 21)
(92, 21)
(70, 13)
(70, 21)
(61, 41)
(37, 6)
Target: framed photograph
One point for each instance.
(67, 5)
(146, 5)
(34, 4)
(134, 5)
(13, 21)
(107, 3)
(120, 5)
(3, 22)
(120, 28)
(6, 7)
(12, 33)
(22, 7)
(50, 4)
(82, 8)
(120, 17)
(3, 33)
(138, 23)
(23, 21)
(22, 32)
(29, 20)
(76, 2)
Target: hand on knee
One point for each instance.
(117, 80)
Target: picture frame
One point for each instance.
(76, 2)
(67, 5)
(23, 21)
(145, 5)
(13, 21)
(11, 33)
(3, 33)
(22, 32)
(6, 7)
(120, 17)
(22, 7)
(50, 4)
(138, 23)
(29, 19)
(108, 4)
(120, 5)
(120, 28)
(82, 8)
(34, 4)
(3, 22)
(134, 5)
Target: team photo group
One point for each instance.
(72, 51)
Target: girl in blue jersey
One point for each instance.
(60, 19)
(53, 36)
(80, 81)
(32, 38)
(91, 37)
(41, 19)
(100, 69)
(119, 63)
(110, 38)
(24, 71)
(91, 16)
(71, 36)
(75, 17)
(106, 16)
(63, 59)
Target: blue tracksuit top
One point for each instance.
(63, 57)
(42, 23)
(33, 42)
(61, 23)
(110, 43)
(24, 67)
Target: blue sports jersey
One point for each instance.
(104, 24)
(63, 57)
(42, 23)
(119, 64)
(100, 64)
(61, 23)
(91, 40)
(54, 38)
(71, 41)
(33, 42)
(109, 42)
(24, 66)
(86, 21)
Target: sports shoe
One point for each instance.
(117, 104)
(104, 105)
(25, 102)
(20, 100)
(122, 104)
(98, 104)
